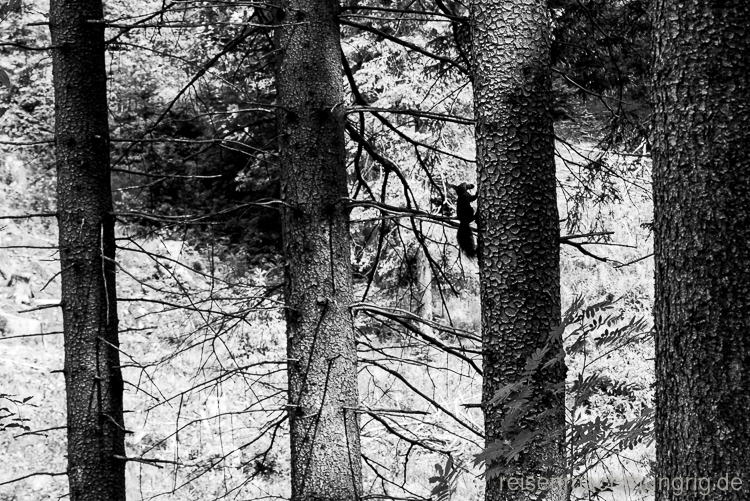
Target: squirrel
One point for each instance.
(465, 214)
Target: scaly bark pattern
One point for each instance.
(322, 373)
(701, 155)
(87, 249)
(518, 228)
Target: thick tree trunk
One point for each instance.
(519, 232)
(87, 249)
(322, 373)
(701, 154)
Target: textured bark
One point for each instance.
(701, 155)
(323, 392)
(518, 227)
(87, 249)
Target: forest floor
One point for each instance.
(205, 371)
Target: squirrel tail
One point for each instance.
(465, 238)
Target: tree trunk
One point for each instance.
(323, 394)
(87, 249)
(701, 155)
(519, 236)
(421, 291)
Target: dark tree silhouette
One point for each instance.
(96, 451)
